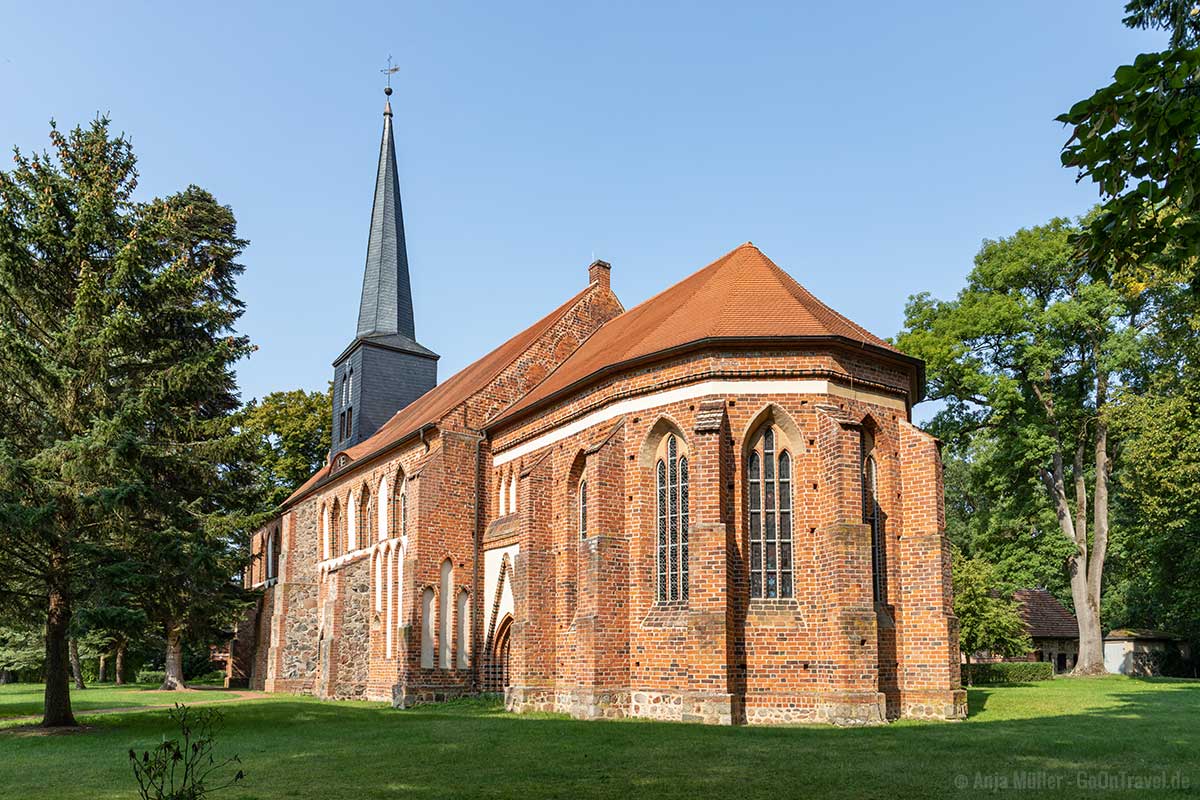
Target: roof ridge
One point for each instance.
(626, 314)
(694, 275)
(701, 284)
(549, 323)
(790, 284)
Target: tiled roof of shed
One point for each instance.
(1044, 616)
(742, 294)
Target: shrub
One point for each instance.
(215, 676)
(1008, 672)
(185, 768)
(151, 676)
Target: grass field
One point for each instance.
(24, 700)
(1063, 738)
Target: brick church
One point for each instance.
(710, 507)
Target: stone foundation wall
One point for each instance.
(297, 657)
(354, 639)
(407, 696)
(934, 705)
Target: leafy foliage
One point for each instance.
(1000, 514)
(987, 622)
(1159, 573)
(185, 768)
(289, 433)
(1138, 140)
(22, 651)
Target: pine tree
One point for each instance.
(116, 340)
(192, 524)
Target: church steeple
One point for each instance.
(386, 305)
(384, 368)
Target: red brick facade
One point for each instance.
(493, 577)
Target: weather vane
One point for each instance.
(389, 71)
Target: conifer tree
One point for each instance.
(117, 343)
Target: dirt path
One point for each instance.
(191, 700)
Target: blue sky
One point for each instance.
(866, 148)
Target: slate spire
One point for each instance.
(384, 368)
(386, 306)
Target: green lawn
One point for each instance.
(1050, 734)
(21, 700)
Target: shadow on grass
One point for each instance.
(299, 747)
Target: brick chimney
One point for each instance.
(599, 272)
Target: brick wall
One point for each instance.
(590, 636)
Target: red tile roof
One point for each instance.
(1044, 616)
(442, 399)
(741, 295)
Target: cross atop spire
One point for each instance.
(389, 70)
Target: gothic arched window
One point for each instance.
(428, 610)
(346, 417)
(273, 544)
(463, 619)
(335, 530)
(383, 513)
(445, 648)
(873, 517)
(326, 538)
(583, 509)
(404, 508)
(769, 479)
(398, 493)
(671, 485)
(362, 525)
(351, 542)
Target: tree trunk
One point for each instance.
(1091, 645)
(1084, 572)
(76, 669)
(174, 667)
(101, 672)
(970, 677)
(57, 711)
(6, 677)
(120, 666)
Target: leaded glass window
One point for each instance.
(873, 516)
(661, 473)
(671, 484)
(769, 495)
(683, 527)
(583, 509)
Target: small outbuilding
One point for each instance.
(1053, 628)
(1138, 651)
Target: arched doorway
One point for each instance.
(495, 678)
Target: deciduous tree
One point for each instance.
(290, 434)
(987, 621)
(1033, 349)
(1138, 140)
